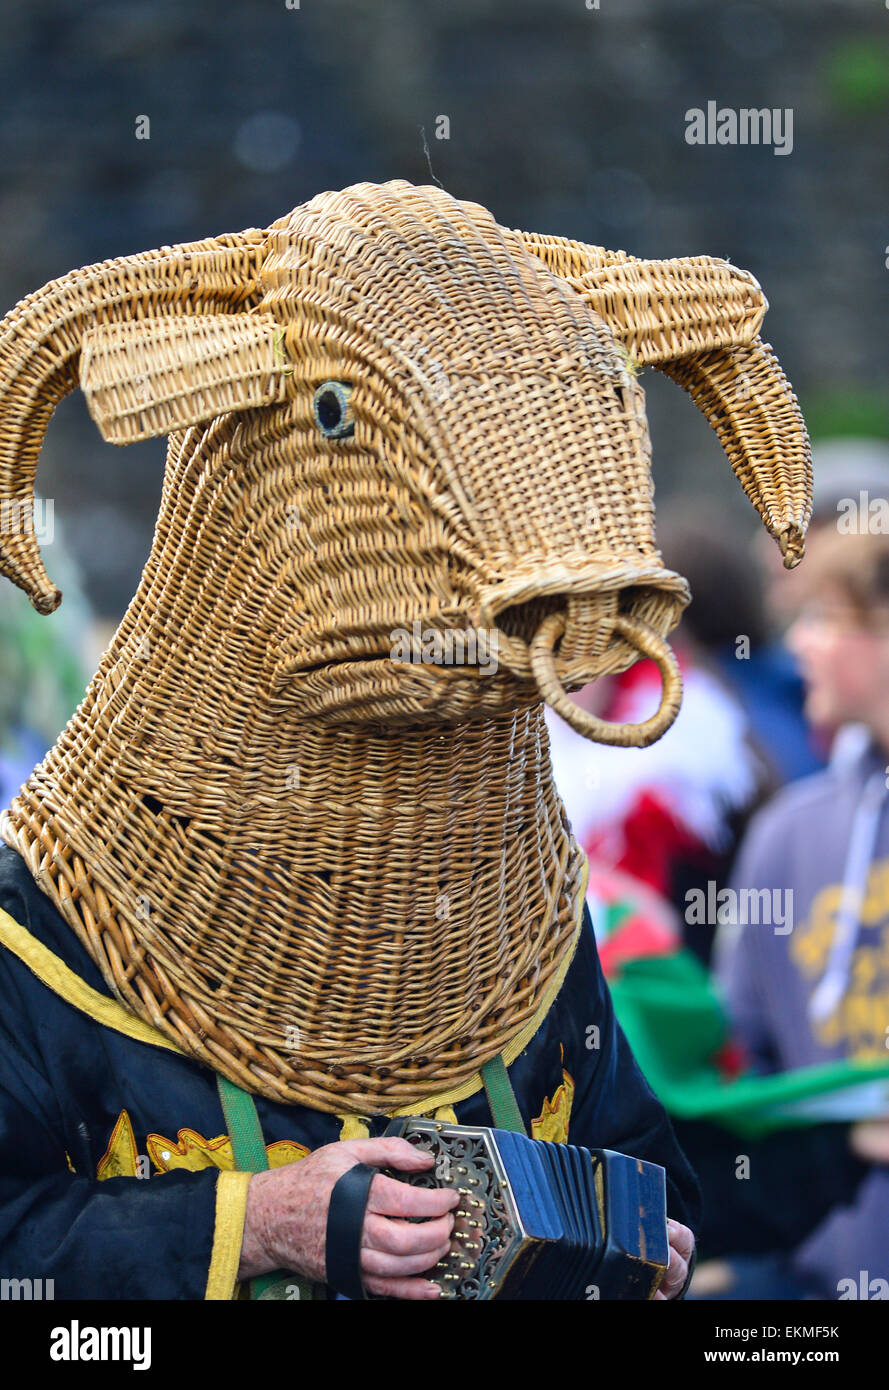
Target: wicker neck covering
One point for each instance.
(356, 943)
(298, 828)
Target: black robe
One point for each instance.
(111, 1149)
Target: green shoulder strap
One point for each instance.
(501, 1096)
(245, 1133)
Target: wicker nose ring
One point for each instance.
(648, 643)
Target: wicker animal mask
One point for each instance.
(392, 423)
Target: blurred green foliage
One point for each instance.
(848, 411)
(858, 76)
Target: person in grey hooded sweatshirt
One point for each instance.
(808, 981)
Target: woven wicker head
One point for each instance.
(304, 819)
(419, 444)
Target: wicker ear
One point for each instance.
(40, 343)
(697, 319)
(158, 375)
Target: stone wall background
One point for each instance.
(562, 119)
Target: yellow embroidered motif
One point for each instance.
(194, 1152)
(190, 1150)
(553, 1121)
(121, 1158)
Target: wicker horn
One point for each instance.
(40, 346)
(749, 402)
(697, 319)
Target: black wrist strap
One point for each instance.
(345, 1223)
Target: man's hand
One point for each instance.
(869, 1140)
(286, 1223)
(682, 1243)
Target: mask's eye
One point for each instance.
(330, 407)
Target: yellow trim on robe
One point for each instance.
(53, 972)
(228, 1236)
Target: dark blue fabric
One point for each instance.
(772, 692)
(64, 1081)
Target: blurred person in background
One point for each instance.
(842, 469)
(739, 623)
(851, 479)
(658, 825)
(820, 990)
(669, 817)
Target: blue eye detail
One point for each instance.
(331, 412)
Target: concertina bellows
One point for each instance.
(304, 819)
